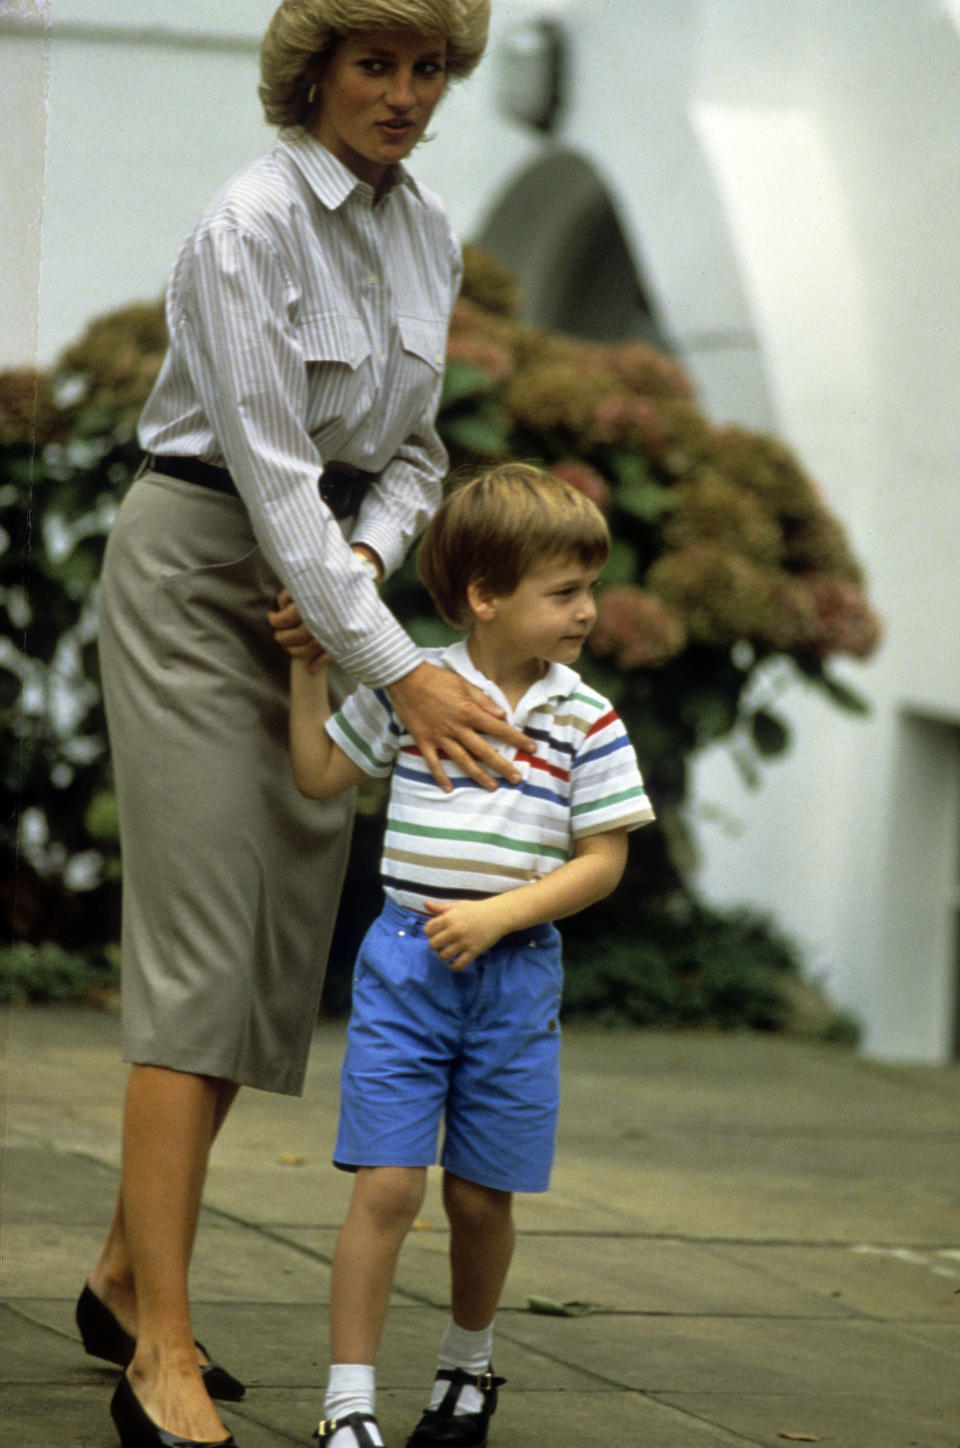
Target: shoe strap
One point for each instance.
(355, 1421)
(486, 1383)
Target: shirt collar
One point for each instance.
(330, 180)
(557, 683)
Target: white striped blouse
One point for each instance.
(583, 780)
(308, 325)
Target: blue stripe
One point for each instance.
(610, 748)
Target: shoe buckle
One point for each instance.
(325, 1429)
(486, 1382)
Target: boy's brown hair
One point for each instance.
(498, 527)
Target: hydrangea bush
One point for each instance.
(729, 578)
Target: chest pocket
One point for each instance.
(424, 338)
(423, 341)
(336, 350)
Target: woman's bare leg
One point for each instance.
(112, 1277)
(170, 1119)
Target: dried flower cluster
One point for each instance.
(731, 540)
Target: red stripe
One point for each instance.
(522, 757)
(609, 718)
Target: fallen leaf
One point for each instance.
(291, 1158)
(551, 1308)
(422, 1226)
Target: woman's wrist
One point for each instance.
(369, 561)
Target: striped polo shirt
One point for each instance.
(308, 322)
(583, 780)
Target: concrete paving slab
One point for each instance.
(845, 1421)
(44, 1186)
(626, 1274)
(772, 1226)
(749, 1355)
(896, 1283)
(521, 1420)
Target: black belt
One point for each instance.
(342, 486)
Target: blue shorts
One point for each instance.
(478, 1049)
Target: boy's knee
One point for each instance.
(472, 1206)
(392, 1195)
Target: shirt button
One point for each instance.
(373, 280)
(401, 932)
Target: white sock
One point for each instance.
(460, 1348)
(351, 1388)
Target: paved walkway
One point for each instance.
(767, 1233)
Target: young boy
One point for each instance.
(457, 987)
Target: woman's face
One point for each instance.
(377, 95)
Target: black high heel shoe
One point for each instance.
(103, 1337)
(138, 1430)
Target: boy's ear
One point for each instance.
(481, 600)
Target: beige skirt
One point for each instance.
(231, 879)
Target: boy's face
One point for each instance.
(549, 613)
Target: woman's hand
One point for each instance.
(447, 715)
(292, 634)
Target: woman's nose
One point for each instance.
(400, 93)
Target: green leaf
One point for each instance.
(475, 433)
(770, 735)
(621, 566)
(102, 818)
(461, 382)
(431, 633)
(641, 497)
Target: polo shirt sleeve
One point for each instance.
(368, 731)
(607, 789)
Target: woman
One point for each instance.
(307, 314)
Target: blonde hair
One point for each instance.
(499, 527)
(302, 35)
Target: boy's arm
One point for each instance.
(320, 767)
(462, 929)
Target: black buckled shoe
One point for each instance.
(357, 1421)
(442, 1427)
(104, 1337)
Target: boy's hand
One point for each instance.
(292, 634)
(463, 929)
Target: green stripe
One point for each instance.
(475, 837)
(608, 800)
(360, 743)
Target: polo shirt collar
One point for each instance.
(329, 179)
(557, 683)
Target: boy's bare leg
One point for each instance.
(382, 1209)
(482, 1237)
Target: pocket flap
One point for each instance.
(333, 337)
(425, 338)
